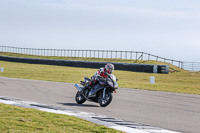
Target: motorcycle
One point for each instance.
(103, 90)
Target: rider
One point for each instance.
(101, 74)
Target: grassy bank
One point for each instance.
(171, 67)
(21, 120)
(180, 82)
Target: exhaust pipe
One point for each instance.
(77, 87)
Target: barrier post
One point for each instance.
(2, 69)
(152, 80)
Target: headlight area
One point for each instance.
(116, 85)
(110, 84)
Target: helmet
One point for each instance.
(109, 68)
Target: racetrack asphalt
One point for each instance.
(172, 111)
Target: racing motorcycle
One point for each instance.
(103, 90)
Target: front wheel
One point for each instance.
(79, 98)
(105, 101)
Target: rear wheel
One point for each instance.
(105, 101)
(79, 98)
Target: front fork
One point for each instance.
(104, 93)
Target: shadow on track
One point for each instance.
(79, 105)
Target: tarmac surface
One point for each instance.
(172, 111)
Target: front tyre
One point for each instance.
(79, 98)
(105, 101)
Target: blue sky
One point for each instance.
(167, 28)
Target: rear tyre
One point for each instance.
(79, 98)
(105, 101)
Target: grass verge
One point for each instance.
(180, 82)
(22, 120)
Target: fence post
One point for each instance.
(75, 53)
(182, 65)
(148, 57)
(142, 56)
(107, 54)
(179, 64)
(136, 55)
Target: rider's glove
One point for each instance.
(102, 79)
(105, 73)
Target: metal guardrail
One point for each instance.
(133, 55)
(191, 66)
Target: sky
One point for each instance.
(166, 28)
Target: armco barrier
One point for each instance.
(148, 68)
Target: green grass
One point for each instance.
(22, 120)
(180, 82)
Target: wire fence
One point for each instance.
(132, 55)
(191, 66)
